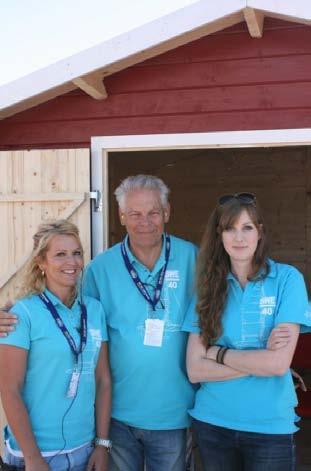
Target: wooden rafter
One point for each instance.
(93, 85)
(254, 20)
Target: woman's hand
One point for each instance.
(279, 337)
(37, 464)
(98, 460)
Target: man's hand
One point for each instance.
(7, 322)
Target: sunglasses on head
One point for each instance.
(246, 198)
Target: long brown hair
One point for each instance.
(214, 264)
(33, 281)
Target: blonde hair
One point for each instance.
(33, 281)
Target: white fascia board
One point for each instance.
(223, 139)
(162, 30)
(118, 48)
(295, 9)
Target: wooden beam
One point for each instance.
(254, 20)
(93, 85)
(32, 197)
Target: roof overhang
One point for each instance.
(88, 69)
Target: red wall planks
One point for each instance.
(226, 81)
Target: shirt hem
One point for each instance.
(246, 428)
(19, 454)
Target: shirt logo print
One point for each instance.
(267, 305)
(172, 278)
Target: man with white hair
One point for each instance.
(145, 284)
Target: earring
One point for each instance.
(42, 273)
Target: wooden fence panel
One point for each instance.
(38, 185)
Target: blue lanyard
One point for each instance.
(135, 277)
(60, 324)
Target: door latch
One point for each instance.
(96, 196)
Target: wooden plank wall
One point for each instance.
(280, 177)
(42, 183)
(35, 186)
(225, 81)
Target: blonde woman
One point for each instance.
(54, 372)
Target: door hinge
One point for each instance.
(96, 196)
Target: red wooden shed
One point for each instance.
(214, 98)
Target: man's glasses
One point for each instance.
(246, 198)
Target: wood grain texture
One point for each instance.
(55, 173)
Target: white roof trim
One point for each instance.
(294, 10)
(168, 32)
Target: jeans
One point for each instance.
(75, 461)
(160, 450)
(223, 449)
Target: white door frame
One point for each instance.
(101, 146)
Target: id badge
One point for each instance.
(73, 385)
(154, 329)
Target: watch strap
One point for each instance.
(105, 442)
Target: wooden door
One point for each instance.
(38, 185)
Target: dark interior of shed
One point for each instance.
(280, 177)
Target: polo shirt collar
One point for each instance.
(160, 260)
(271, 274)
(56, 301)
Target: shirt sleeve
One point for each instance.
(89, 285)
(21, 336)
(191, 322)
(306, 329)
(104, 331)
(293, 306)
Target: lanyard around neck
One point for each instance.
(135, 277)
(60, 324)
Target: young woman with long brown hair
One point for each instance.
(243, 333)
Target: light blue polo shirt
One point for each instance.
(254, 403)
(150, 385)
(50, 364)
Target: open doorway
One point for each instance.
(197, 177)
(276, 165)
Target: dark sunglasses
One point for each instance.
(246, 198)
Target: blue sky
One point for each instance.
(36, 33)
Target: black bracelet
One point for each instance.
(223, 356)
(220, 355)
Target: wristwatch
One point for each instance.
(103, 442)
